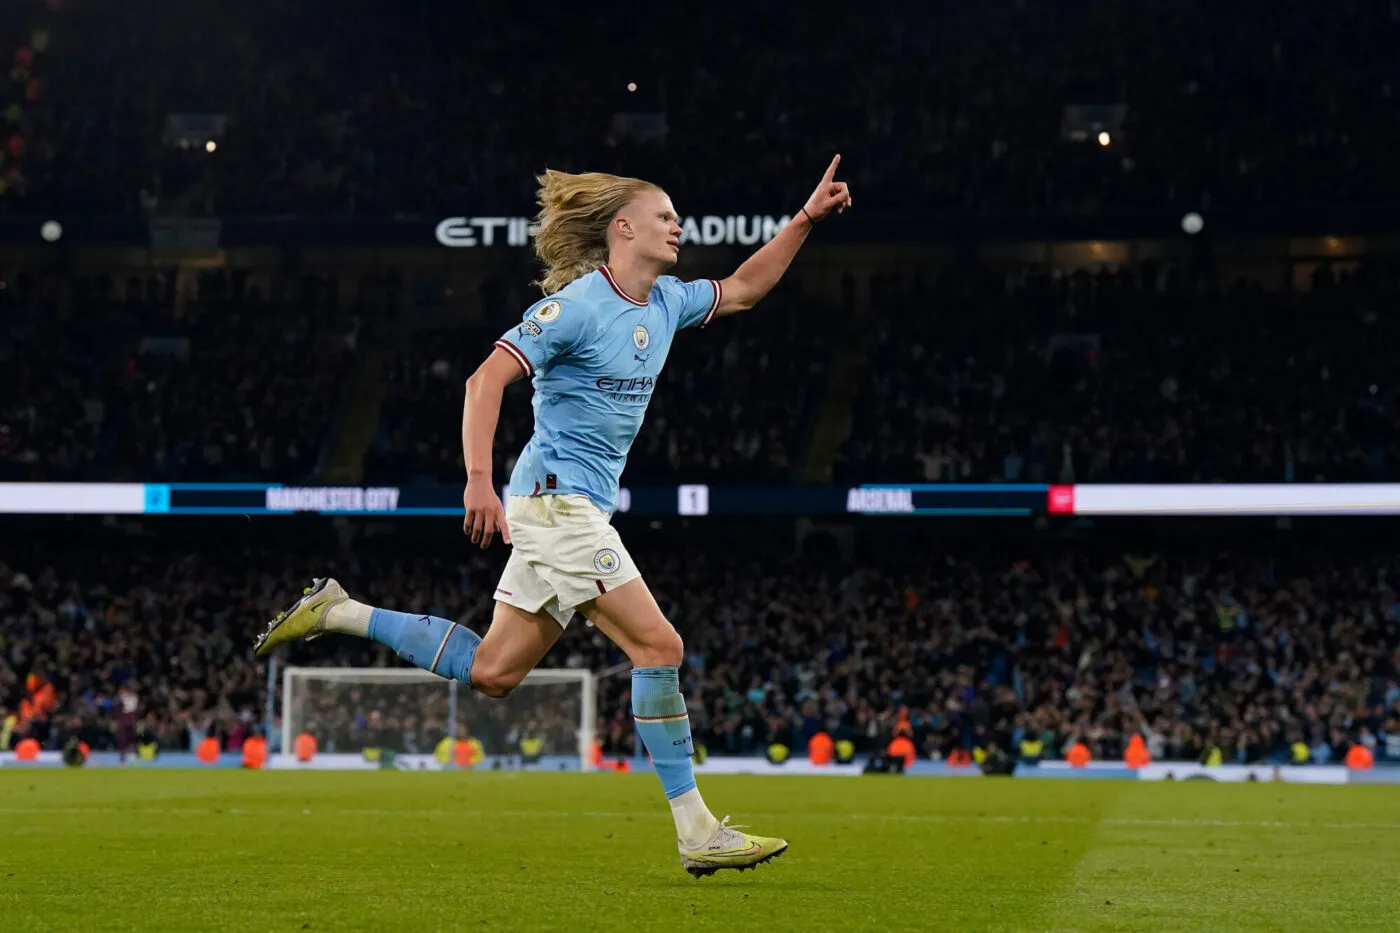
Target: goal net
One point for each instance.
(408, 711)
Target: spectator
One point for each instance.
(396, 110)
(1002, 645)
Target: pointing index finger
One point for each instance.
(831, 169)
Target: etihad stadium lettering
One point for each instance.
(703, 230)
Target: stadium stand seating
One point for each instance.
(231, 384)
(369, 117)
(1251, 646)
(1134, 376)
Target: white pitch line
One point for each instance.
(1182, 823)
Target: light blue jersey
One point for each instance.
(595, 353)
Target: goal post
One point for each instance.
(409, 710)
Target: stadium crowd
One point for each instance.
(235, 379)
(1249, 652)
(1139, 374)
(395, 109)
(997, 377)
(734, 401)
(143, 382)
(1131, 376)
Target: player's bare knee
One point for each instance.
(495, 689)
(664, 649)
(494, 683)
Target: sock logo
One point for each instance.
(607, 561)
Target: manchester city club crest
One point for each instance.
(641, 338)
(607, 561)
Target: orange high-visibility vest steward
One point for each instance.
(208, 751)
(254, 752)
(45, 700)
(595, 754)
(1078, 756)
(959, 758)
(1137, 755)
(1359, 758)
(468, 752)
(820, 749)
(901, 746)
(41, 695)
(27, 750)
(902, 726)
(304, 747)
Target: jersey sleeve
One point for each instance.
(549, 330)
(695, 302)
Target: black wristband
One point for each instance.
(810, 219)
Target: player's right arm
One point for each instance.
(548, 331)
(761, 271)
(480, 412)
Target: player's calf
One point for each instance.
(630, 616)
(706, 844)
(432, 643)
(437, 645)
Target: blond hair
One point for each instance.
(575, 211)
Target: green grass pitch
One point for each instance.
(321, 851)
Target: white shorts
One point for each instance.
(564, 552)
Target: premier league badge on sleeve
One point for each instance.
(547, 312)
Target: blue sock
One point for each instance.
(664, 725)
(436, 645)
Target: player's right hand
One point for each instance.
(485, 514)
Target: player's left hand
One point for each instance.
(830, 194)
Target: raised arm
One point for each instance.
(480, 412)
(761, 271)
